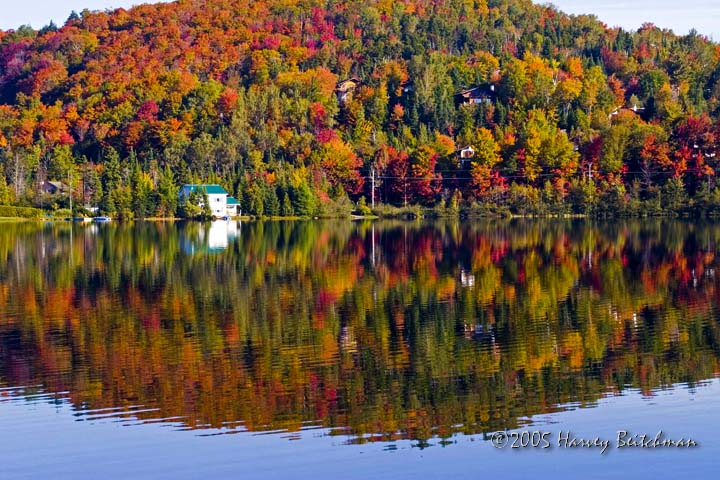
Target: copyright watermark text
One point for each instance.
(566, 439)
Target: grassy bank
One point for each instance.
(7, 211)
(445, 210)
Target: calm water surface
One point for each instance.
(355, 350)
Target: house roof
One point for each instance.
(232, 201)
(58, 185)
(351, 79)
(634, 109)
(476, 92)
(210, 189)
(347, 84)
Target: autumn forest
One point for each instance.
(320, 107)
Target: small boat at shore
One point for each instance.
(102, 219)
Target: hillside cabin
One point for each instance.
(464, 155)
(54, 188)
(345, 88)
(634, 109)
(466, 152)
(475, 95)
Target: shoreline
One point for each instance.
(409, 216)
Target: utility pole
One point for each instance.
(70, 194)
(372, 188)
(405, 192)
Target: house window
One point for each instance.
(217, 199)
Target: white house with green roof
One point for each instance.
(221, 204)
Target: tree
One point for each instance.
(655, 159)
(271, 202)
(426, 183)
(615, 146)
(287, 208)
(63, 168)
(143, 204)
(167, 193)
(92, 185)
(674, 196)
(206, 211)
(487, 156)
(111, 181)
(304, 201)
(6, 196)
(395, 167)
(254, 198)
(341, 165)
(189, 205)
(594, 83)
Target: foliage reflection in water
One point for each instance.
(377, 330)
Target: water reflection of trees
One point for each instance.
(388, 330)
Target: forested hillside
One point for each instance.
(294, 106)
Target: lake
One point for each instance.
(339, 349)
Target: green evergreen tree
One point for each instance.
(183, 175)
(287, 208)
(674, 197)
(256, 201)
(141, 193)
(111, 181)
(304, 204)
(206, 210)
(272, 203)
(5, 192)
(167, 193)
(189, 206)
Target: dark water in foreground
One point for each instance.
(355, 350)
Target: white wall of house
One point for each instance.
(217, 204)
